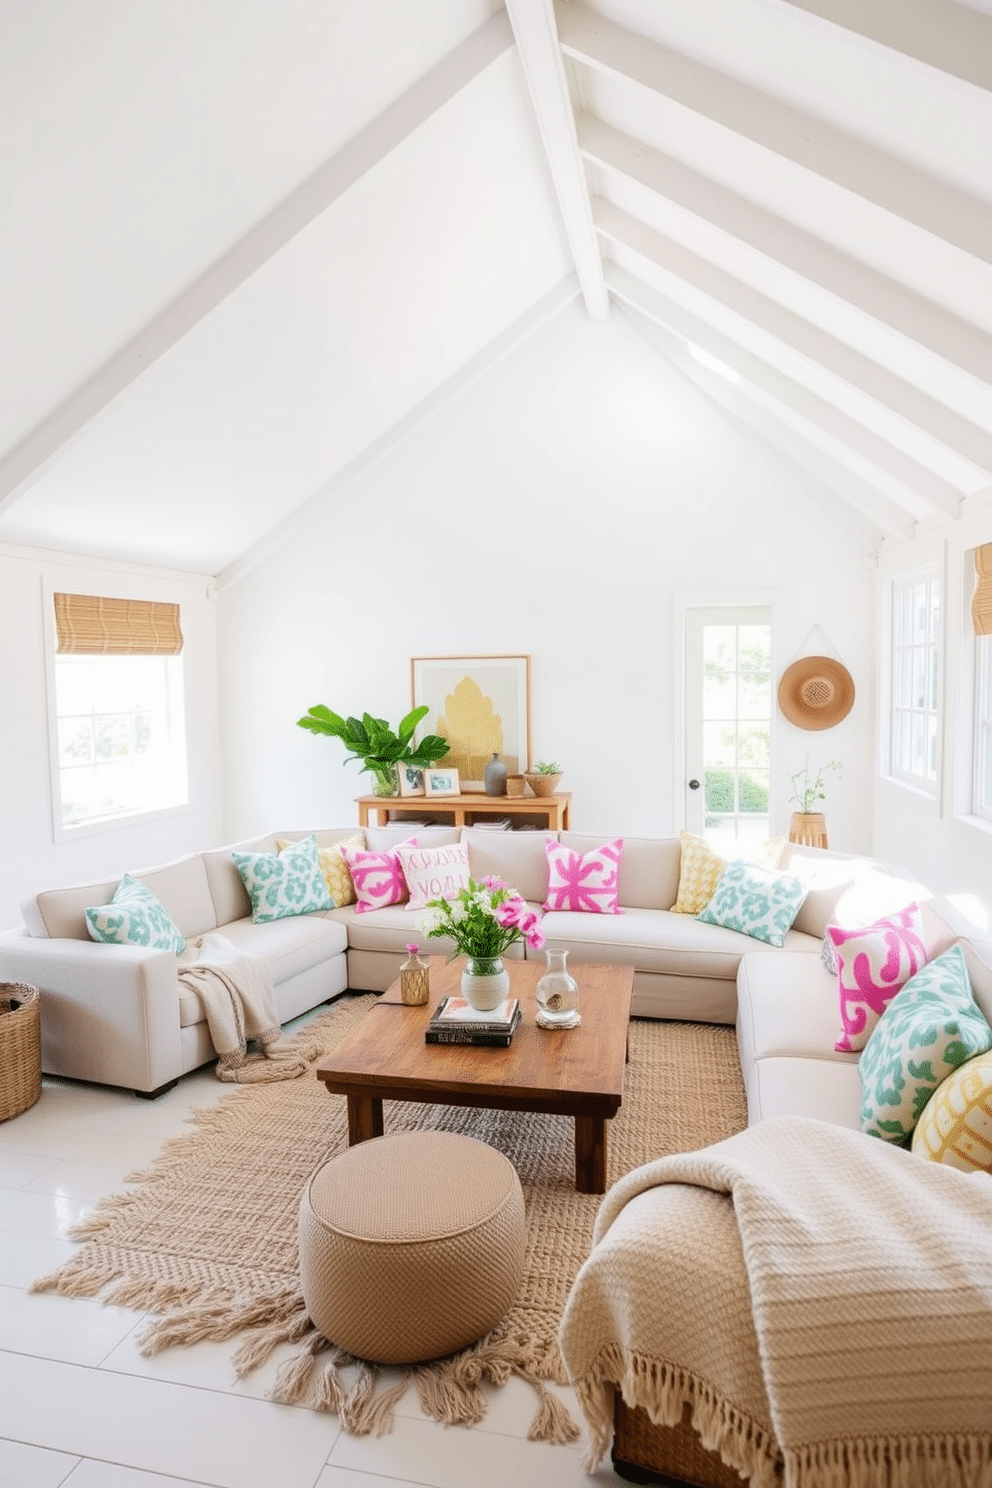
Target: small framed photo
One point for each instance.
(441, 783)
(411, 778)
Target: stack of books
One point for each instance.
(455, 1021)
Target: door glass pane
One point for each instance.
(729, 695)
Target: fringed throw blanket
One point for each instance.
(236, 992)
(819, 1299)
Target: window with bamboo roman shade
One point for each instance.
(981, 599)
(91, 625)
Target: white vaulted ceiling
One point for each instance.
(247, 244)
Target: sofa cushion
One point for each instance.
(285, 884)
(433, 872)
(828, 876)
(649, 867)
(956, 1125)
(380, 839)
(227, 890)
(518, 858)
(786, 1007)
(181, 886)
(660, 941)
(826, 1089)
(134, 916)
(377, 876)
(392, 929)
(755, 901)
(333, 866)
(289, 946)
(584, 882)
(931, 1026)
(872, 964)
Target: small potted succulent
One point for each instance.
(543, 779)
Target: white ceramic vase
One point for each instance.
(485, 983)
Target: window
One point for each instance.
(728, 724)
(981, 618)
(120, 739)
(915, 679)
(982, 804)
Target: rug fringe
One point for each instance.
(216, 1320)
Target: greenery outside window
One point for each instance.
(915, 714)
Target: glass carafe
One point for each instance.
(557, 993)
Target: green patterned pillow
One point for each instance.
(281, 885)
(755, 901)
(134, 917)
(932, 1025)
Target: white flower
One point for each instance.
(458, 912)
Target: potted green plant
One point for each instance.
(543, 779)
(809, 827)
(372, 741)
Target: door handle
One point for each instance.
(693, 784)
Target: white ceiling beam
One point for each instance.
(533, 23)
(939, 208)
(957, 341)
(951, 38)
(861, 507)
(883, 387)
(25, 461)
(917, 481)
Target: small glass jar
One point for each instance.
(557, 994)
(415, 974)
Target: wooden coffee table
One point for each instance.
(567, 1072)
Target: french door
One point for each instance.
(728, 723)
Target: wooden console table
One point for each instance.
(464, 809)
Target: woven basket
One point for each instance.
(20, 1048)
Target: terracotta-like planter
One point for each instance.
(542, 785)
(808, 828)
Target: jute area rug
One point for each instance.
(207, 1242)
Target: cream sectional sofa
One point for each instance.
(114, 1014)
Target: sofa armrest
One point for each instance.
(109, 1013)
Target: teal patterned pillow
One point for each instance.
(134, 917)
(932, 1025)
(755, 901)
(281, 885)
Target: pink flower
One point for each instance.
(508, 914)
(413, 948)
(535, 939)
(528, 921)
(494, 884)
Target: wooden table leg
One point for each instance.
(364, 1118)
(590, 1154)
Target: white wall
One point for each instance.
(938, 838)
(566, 506)
(30, 857)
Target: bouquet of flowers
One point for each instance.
(483, 920)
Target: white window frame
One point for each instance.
(981, 726)
(63, 831)
(906, 653)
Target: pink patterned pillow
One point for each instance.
(377, 876)
(872, 965)
(589, 882)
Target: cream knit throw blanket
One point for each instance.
(816, 1296)
(236, 992)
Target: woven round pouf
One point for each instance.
(411, 1245)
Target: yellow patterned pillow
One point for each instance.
(335, 869)
(956, 1125)
(701, 867)
(699, 874)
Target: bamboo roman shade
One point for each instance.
(981, 599)
(89, 625)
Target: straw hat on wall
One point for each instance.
(816, 692)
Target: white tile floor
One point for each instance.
(80, 1407)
